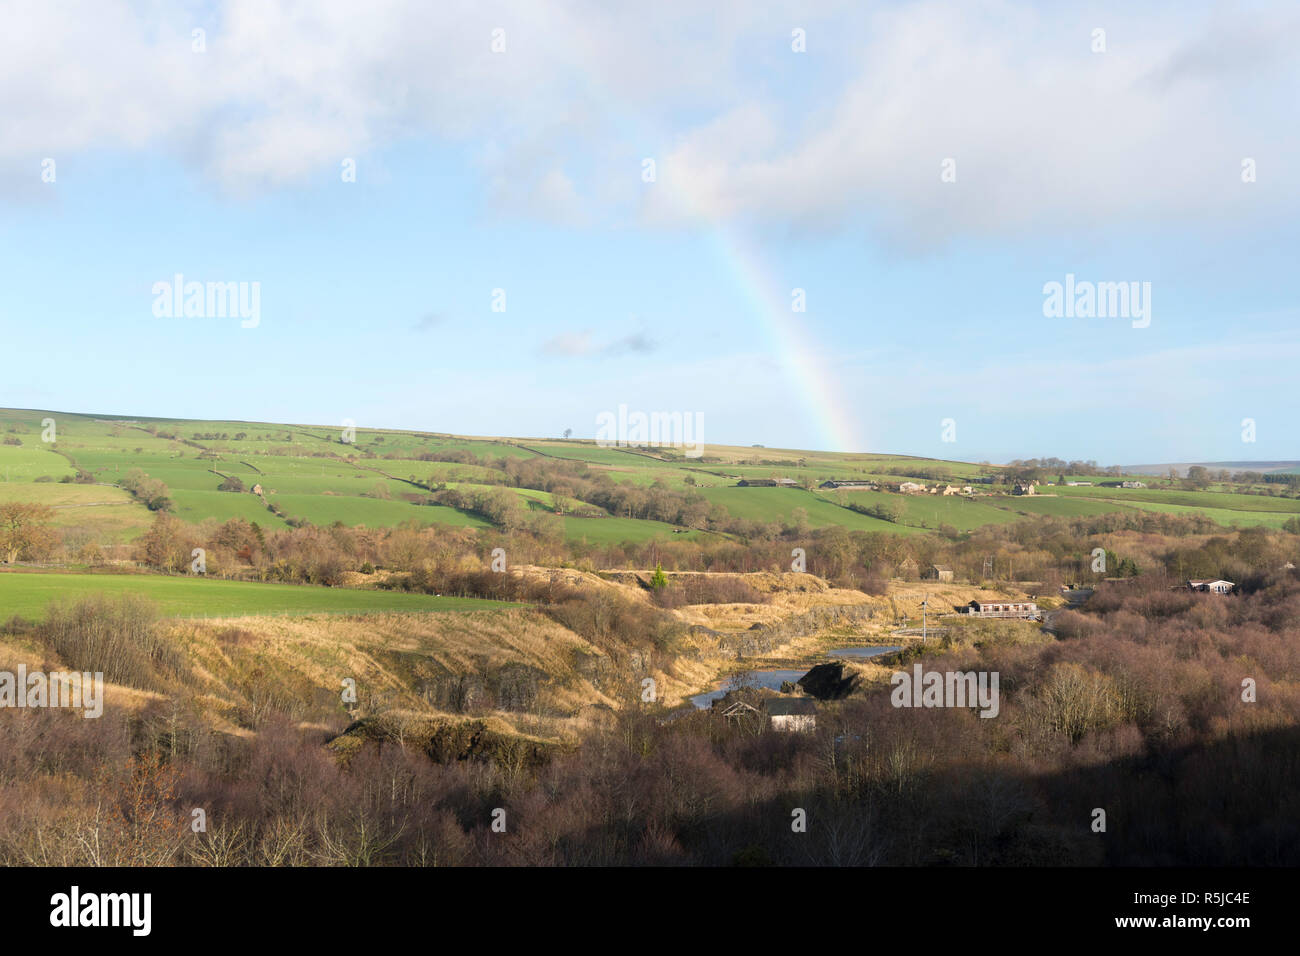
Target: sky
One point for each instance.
(808, 225)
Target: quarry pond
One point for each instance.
(772, 679)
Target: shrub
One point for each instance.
(707, 589)
(115, 636)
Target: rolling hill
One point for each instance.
(295, 474)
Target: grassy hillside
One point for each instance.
(28, 594)
(386, 478)
(780, 505)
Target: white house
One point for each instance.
(792, 714)
(1018, 609)
(1215, 587)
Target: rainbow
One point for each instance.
(814, 380)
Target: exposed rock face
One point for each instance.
(833, 681)
(760, 638)
(446, 740)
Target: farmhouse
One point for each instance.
(1019, 609)
(767, 483)
(938, 572)
(1023, 488)
(792, 714)
(1213, 587)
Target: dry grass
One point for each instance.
(243, 669)
(251, 665)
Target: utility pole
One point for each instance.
(925, 604)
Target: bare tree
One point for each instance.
(25, 529)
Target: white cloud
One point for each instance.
(1045, 133)
(583, 343)
(569, 344)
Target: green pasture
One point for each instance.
(28, 595)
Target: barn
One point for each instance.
(938, 572)
(792, 714)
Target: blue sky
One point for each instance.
(775, 170)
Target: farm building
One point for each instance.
(767, 483)
(1214, 587)
(911, 488)
(1079, 484)
(1132, 484)
(792, 714)
(1023, 488)
(859, 485)
(738, 709)
(1018, 609)
(938, 572)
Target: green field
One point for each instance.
(1223, 516)
(372, 512)
(1225, 508)
(779, 505)
(310, 474)
(1192, 499)
(931, 511)
(112, 513)
(619, 530)
(29, 594)
(1058, 507)
(31, 460)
